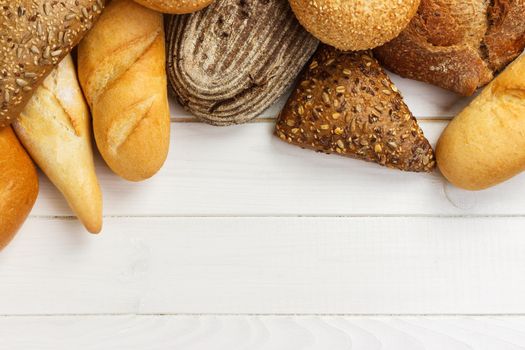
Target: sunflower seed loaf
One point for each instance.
(231, 61)
(35, 35)
(346, 104)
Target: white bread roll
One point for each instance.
(485, 144)
(18, 185)
(55, 128)
(122, 70)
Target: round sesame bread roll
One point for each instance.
(18, 185)
(354, 24)
(175, 6)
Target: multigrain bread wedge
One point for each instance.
(18, 185)
(354, 24)
(175, 6)
(231, 61)
(122, 71)
(458, 45)
(34, 36)
(55, 128)
(485, 144)
(345, 103)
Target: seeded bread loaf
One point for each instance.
(458, 44)
(484, 145)
(345, 103)
(122, 70)
(353, 24)
(55, 128)
(34, 36)
(232, 60)
(175, 6)
(18, 185)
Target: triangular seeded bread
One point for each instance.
(345, 103)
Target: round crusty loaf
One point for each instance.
(35, 35)
(354, 24)
(459, 45)
(18, 185)
(484, 145)
(175, 6)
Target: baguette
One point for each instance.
(55, 128)
(121, 66)
(485, 144)
(346, 104)
(18, 185)
(34, 37)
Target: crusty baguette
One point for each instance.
(34, 37)
(18, 185)
(55, 128)
(485, 144)
(121, 65)
(175, 6)
(458, 44)
(346, 104)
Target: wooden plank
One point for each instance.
(425, 101)
(246, 171)
(267, 266)
(256, 332)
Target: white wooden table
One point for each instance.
(245, 242)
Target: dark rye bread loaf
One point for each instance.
(231, 61)
(345, 103)
(35, 35)
(458, 44)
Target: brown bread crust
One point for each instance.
(458, 45)
(18, 185)
(175, 6)
(232, 60)
(346, 104)
(35, 35)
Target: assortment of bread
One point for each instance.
(227, 61)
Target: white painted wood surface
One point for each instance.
(239, 223)
(157, 332)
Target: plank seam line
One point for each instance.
(327, 216)
(186, 314)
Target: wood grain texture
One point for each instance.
(246, 171)
(265, 333)
(267, 266)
